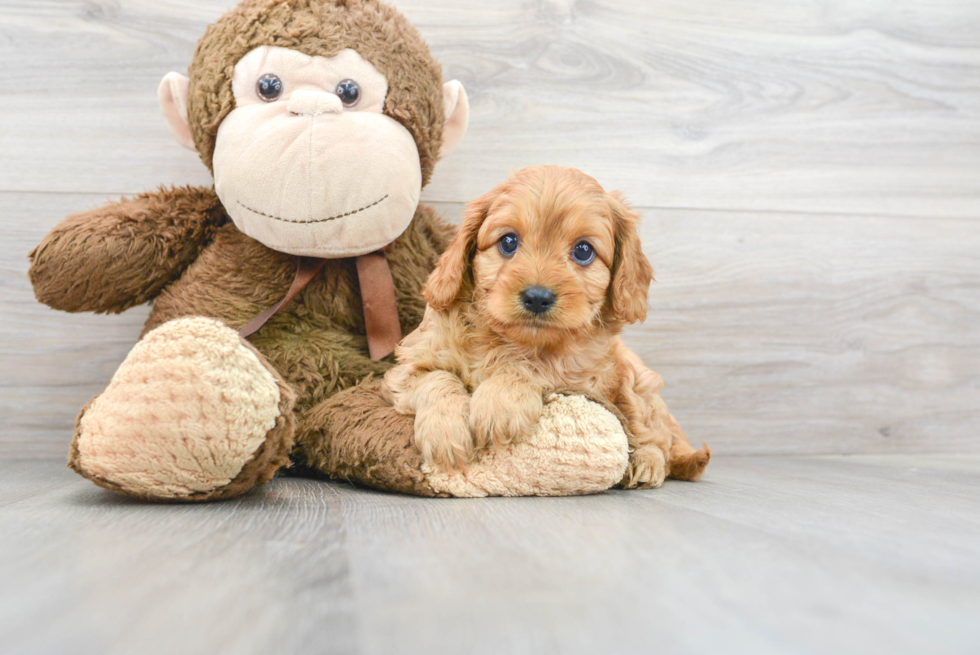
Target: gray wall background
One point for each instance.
(809, 175)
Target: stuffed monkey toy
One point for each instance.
(293, 278)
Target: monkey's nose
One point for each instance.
(314, 103)
(537, 300)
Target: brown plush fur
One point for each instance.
(178, 248)
(121, 255)
(477, 338)
(321, 28)
(317, 343)
(355, 435)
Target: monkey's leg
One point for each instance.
(356, 435)
(193, 413)
(578, 447)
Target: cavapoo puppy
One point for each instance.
(531, 296)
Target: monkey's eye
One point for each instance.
(269, 87)
(583, 253)
(349, 92)
(508, 244)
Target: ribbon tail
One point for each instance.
(380, 307)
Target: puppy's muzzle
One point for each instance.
(538, 300)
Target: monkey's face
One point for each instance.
(320, 119)
(307, 163)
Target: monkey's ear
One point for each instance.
(632, 272)
(457, 109)
(452, 272)
(172, 93)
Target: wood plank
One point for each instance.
(838, 107)
(816, 334)
(197, 578)
(766, 555)
(51, 363)
(776, 333)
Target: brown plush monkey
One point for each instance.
(321, 121)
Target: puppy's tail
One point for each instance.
(687, 463)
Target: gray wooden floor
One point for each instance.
(809, 176)
(861, 554)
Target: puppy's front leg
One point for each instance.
(504, 407)
(649, 442)
(639, 400)
(441, 406)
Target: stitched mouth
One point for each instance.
(316, 220)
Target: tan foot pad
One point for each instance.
(578, 448)
(185, 412)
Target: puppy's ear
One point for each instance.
(452, 271)
(632, 273)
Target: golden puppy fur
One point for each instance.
(476, 370)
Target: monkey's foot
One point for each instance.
(193, 413)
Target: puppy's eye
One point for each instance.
(349, 92)
(508, 245)
(269, 87)
(583, 253)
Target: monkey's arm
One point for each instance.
(123, 254)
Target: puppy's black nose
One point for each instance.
(537, 300)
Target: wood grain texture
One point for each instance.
(808, 173)
(864, 554)
(842, 318)
(870, 107)
(775, 333)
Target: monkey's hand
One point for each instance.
(123, 254)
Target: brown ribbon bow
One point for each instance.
(377, 296)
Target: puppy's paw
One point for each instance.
(443, 438)
(500, 412)
(647, 469)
